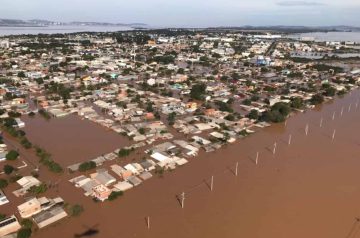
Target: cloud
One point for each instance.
(299, 4)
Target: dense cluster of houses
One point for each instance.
(174, 94)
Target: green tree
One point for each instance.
(3, 183)
(38, 189)
(253, 114)
(330, 92)
(12, 155)
(317, 99)
(76, 210)
(124, 152)
(278, 112)
(142, 131)
(198, 91)
(114, 195)
(297, 102)
(21, 74)
(8, 169)
(171, 118)
(87, 166)
(24, 233)
(26, 223)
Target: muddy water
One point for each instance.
(307, 189)
(71, 140)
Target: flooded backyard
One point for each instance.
(71, 139)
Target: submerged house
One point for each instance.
(9, 225)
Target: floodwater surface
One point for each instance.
(309, 188)
(71, 140)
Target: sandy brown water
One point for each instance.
(71, 140)
(308, 189)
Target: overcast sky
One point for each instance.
(189, 12)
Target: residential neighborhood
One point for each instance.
(107, 113)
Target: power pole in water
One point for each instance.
(289, 142)
(274, 150)
(342, 111)
(212, 183)
(321, 122)
(333, 135)
(257, 158)
(236, 168)
(182, 199)
(148, 222)
(349, 109)
(333, 117)
(306, 129)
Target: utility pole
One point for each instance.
(349, 109)
(306, 129)
(333, 135)
(236, 168)
(289, 141)
(333, 116)
(212, 183)
(257, 158)
(148, 222)
(321, 122)
(274, 150)
(182, 199)
(342, 111)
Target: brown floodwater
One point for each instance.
(307, 189)
(71, 139)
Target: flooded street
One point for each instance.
(309, 188)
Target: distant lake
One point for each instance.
(330, 36)
(5, 31)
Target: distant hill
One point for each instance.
(39, 22)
